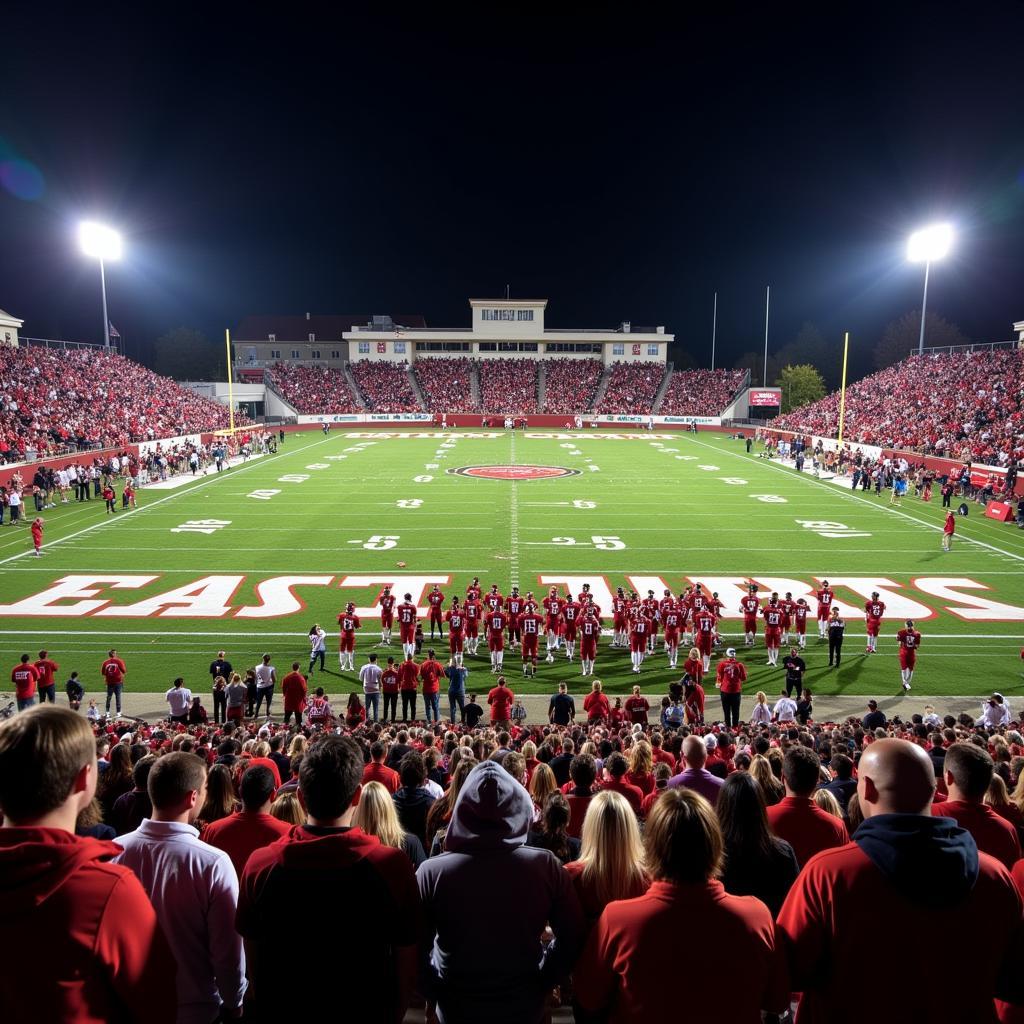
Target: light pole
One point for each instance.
(101, 243)
(930, 243)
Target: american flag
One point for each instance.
(114, 333)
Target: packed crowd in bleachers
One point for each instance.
(313, 390)
(700, 392)
(508, 385)
(961, 406)
(615, 837)
(386, 386)
(631, 389)
(570, 384)
(54, 401)
(445, 384)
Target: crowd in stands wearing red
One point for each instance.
(313, 390)
(508, 385)
(631, 389)
(445, 384)
(386, 386)
(960, 406)
(60, 400)
(700, 392)
(570, 384)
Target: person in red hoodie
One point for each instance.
(355, 876)
(967, 771)
(378, 771)
(251, 828)
(596, 705)
(501, 699)
(106, 957)
(906, 878)
(797, 818)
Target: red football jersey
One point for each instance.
(495, 621)
(494, 601)
(553, 606)
(772, 616)
(590, 627)
(750, 605)
(571, 612)
(824, 598)
(435, 599)
(348, 623)
(455, 619)
(387, 603)
(703, 622)
(473, 610)
(874, 609)
(407, 613)
(530, 624)
(909, 639)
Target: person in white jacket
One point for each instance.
(762, 713)
(994, 712)
(785, 709)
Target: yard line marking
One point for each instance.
(513, 564)
(879, 508)
(176, 494)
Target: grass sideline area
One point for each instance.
(257, 554)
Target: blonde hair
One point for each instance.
(762, 697)
(542, 782)
(287, 808)
(262, 749)
(761, 769)
(694, 653)
(641, 760)
(828, 803)
(612, 854)
(1018, 792)
(530, 750)
(376, 816)
(998, 795)
(298, 745)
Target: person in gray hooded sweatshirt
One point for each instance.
(476, 972)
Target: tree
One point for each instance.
(187, 354)
(811, 346)
(801, 384)
(754, 362)
(901, 336)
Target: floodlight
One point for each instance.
(930, 243)
(99, 241)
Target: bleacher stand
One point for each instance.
(54, 401)
(960, 406)
(700, 392)
(570, 384)
(445, 384)
(631, 389)
(386, 386)
(508, 385)
(313, 390)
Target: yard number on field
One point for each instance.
(202, 526)
(378, 542)
(608, 543)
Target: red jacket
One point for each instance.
(633, 795)
(106, 958)
(623, 965)
(596, 705)
(806, 827)
(294, 690)
(381, 773)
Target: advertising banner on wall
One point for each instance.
(764, 397)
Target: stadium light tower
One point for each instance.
(930, 243)
(101, 243)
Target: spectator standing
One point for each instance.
(621, 971)
(595, 704)
(178, 699)
(501, 699)
(25, 677)
(948, 529)
(756, 862)
(796, 818)
(874, 719)
(194, 890)
(106, 954)
(236, 697)
(378, 771)
(252, 827)
(220, 666)
(456, 674)
(967, 772)
(928, 874)
(132, 808)
(412, 801)
(220, 700)
(561, 707)
(836, 629)
(376, 816)
(369, 676)
(637, 707)
(293, 692)
(408, 677)
(695, 776)
(266, 678)
(498, 975)
(431, 671)
(355, 877)
(729, 678)
(113, 671)
(47, 686)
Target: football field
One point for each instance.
(249, 559)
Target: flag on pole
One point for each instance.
(113, 330)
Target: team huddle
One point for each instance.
(689, 619)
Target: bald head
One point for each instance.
(895, 777)
(695, 753)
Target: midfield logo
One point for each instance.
(514, 472)
(216, 597)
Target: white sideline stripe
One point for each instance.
(608, 571)
(177, 494)
(870, 504)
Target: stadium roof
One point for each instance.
(326, 326)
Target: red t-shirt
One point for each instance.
(408, 673)
(731, 675)
(381, 773)
(994, 835)
(113, 671)
(430, 673)
(806, 827)
(25, 677)
(501, 698)
(622, 968)
(46, 668)
(238, 835)
(389, 680)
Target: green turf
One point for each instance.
(665, 496)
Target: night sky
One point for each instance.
(620, 165)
